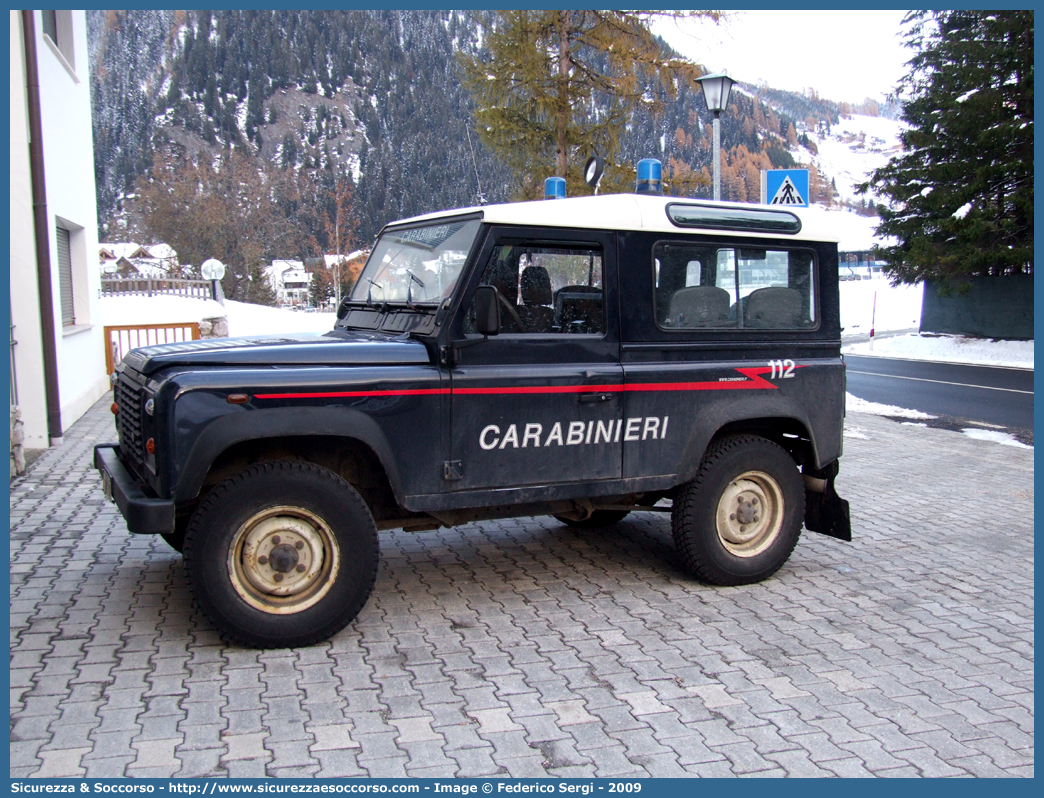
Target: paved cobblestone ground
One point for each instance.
(524, 648)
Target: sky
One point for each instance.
(844, 55)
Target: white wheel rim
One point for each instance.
(750, 514)
(283, 560)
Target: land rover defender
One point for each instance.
(582, 358)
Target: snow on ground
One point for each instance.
(950, 349)
(1002, 438)
(856, 432)
(898, 307)
(161, 309)
(243, 318)
(853, 404)
(246, 319)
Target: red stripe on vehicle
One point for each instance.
(544, 389)
(345, 394)
(728, 385)
(753, 381)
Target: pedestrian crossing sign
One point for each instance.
(785, 187)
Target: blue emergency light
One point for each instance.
(554, 188)
(650, 177)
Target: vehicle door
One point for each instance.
(540, 403)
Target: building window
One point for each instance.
(65, 277)
(50, 24)
(58, 28)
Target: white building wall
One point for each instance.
(65, 111)
(25, 303)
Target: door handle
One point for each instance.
(595, 397)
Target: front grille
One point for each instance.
(129, 394)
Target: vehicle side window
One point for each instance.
(546, 290)
(701, 286)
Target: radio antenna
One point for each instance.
(478, 185)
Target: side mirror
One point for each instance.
(487, 310)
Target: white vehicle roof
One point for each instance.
(634, 212)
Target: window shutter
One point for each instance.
(65, 281)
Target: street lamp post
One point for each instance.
(214, 270)
(716, 89)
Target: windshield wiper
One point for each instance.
(409, 288)
(369, 292)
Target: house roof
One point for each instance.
(130, 250)
(331, 259)
(162, 251)
(124, 249)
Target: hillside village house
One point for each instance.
(134, 260)
(57, 349)
(290, 282)
(352, 262)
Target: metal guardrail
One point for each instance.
(120, 339)
(152, 286)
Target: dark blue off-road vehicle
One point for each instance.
(582, 358)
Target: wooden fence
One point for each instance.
(149, 286)
(120, 339)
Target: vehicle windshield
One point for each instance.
(419, 264)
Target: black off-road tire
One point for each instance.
(598, 519)
(743, 478)
(275, 527)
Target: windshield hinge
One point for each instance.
(452, 470)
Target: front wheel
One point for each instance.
(282, 554)
(739, 519)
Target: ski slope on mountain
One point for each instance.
(856, 146)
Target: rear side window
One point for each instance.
(704, 286)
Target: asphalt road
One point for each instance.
(995, 396)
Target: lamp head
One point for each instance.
(716, 89)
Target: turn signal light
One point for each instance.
(238, 398)
(115, 408)
(150, 446)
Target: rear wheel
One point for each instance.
(598, 518)
(282, 554)
(740, 518)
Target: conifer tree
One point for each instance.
(962, 192)
(544, 72)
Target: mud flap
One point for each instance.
(825, 511)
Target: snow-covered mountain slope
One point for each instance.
(853, 148)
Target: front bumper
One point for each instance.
(144, 515)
